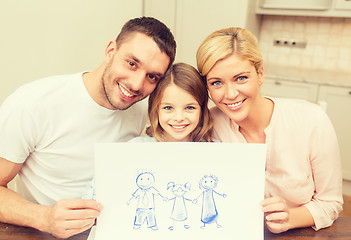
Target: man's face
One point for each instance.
(132, 71)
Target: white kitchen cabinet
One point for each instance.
(290, 89)
(338, 100)
(192, 21)
(317, 8)
(343, 4)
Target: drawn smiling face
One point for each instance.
(145, 180)
(208, 183)
(178, 190)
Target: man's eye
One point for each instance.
(132, 64)
(152, 77)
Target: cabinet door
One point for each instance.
(196, 19)
(290, 89)
(338, 102)
(343, 4)
(191, 21)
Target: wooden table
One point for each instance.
(340, 230)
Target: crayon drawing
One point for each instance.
(180, 190)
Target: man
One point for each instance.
(49, 128)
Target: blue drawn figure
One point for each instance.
(179, 212)
(209, 213)
(146, 204)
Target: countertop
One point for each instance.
(306, 75)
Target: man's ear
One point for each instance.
(110, 50)
(261, 77)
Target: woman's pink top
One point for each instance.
(303, 159)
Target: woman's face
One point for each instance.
(233, 84)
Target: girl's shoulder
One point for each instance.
(143, 139)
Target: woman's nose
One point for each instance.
(231, 92)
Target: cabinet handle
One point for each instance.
(279, 83)
(350, 91)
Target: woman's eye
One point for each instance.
(216, 83)
(241, 78)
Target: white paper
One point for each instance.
(239, 169)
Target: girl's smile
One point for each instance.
(179, 114)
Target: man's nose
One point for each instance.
(137, 82)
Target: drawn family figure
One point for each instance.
(209, 213)
(179, 210)
(145, 194)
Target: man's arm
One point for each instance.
(68, 217)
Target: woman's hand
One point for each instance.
(276, 214)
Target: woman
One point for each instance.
(303, 174)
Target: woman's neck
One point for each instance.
(252, 128)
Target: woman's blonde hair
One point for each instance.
(223, 43)
(187, 78)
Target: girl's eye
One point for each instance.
(168, 108)
(190, 108)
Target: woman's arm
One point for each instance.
(279, 218)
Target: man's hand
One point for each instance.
(71, 216)
(276, 214)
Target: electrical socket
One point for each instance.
(295, 43)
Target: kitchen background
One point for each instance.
(306, 44)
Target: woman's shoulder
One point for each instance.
(217, 113)
(299, 111)
(296, 105)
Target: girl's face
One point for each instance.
(233, 84)
(179, 114)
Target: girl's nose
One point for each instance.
(178, 115)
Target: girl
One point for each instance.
(178, 109)
(303, 173)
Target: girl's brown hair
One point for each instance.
(187, 78)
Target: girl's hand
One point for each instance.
(276, 214)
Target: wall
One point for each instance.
(328, 42)
(46, 37)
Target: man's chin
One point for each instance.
(123, 107)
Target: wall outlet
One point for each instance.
(295, 43)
